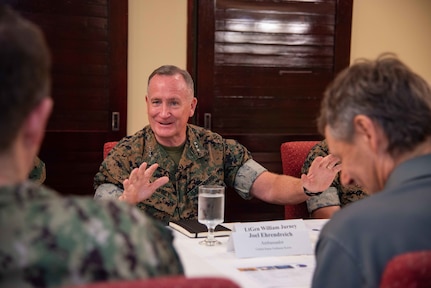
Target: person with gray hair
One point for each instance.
(182, 156)
(376, 116)
(47, 240)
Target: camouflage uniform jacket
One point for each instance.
(207, 159)
(337, 194)
(38, 173)
(50, 241)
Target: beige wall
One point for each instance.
(399, 26)
(157, 36)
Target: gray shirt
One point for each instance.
(355, 245)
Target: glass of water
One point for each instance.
(211, 210)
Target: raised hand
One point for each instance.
(321, 173)
(139, 187)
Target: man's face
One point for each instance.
(359, 162)
(170, 105)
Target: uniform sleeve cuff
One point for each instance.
(246, 176)
(329, 197)
(107, 191)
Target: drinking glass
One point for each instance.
(211, 210)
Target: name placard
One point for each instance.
(270, 238)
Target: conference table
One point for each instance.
(274, 271)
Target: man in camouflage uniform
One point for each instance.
(47, 240)
(38, 173)
(336, 196)
(184, 156)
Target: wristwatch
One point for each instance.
(308, 193)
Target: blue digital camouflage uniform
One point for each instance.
(50, 241)
(336, 194)
(207, 159)
(38, 173)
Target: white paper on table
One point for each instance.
(287, 274)
(270, 238)
(271, 272)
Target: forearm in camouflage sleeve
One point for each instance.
(329, 197)
(107, 191)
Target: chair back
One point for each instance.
(165, 282)
(108, 147)
(408, 270)
(293, 155)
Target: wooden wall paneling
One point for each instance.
(88, 42)
(118, 38)
(343, 34)
(261, 67)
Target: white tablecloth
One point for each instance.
(282, 271)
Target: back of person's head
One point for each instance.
(171, 70)
(386, 91)
(24, 72)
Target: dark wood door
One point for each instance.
(88, 41)
(260, 68)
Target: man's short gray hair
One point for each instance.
(386, 91)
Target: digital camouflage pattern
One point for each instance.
(207, 159)
(38, 173)
(337, 194)
(50, 241)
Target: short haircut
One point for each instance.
(24, 72)
(171, 70)
(386, 91)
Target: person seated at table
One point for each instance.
(336, 196)
(47, 240)
(188, 156)
(376, 117)
(38, 173)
